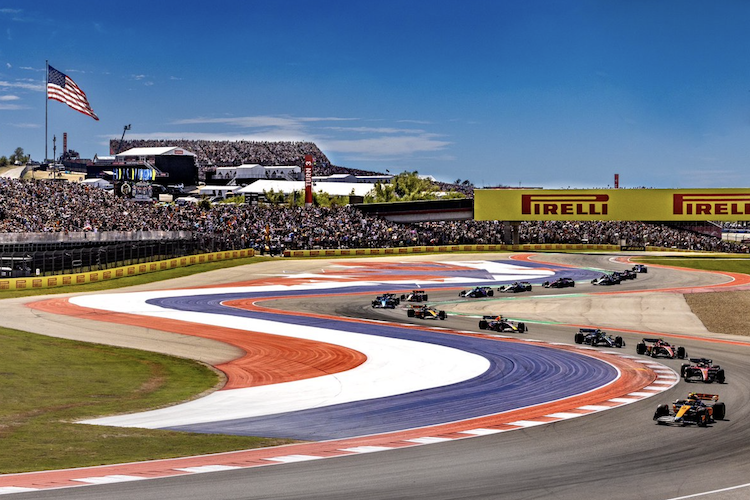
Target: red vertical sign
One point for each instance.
(617, 181)
(308, 180)
(65, 142)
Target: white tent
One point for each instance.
(288, 187)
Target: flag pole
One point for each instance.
(46, 104)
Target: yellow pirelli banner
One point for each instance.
(684, 205)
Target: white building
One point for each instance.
(289, 187)
(235, 175)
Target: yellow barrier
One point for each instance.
(119, 272)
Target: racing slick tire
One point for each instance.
(683, 369)
(441, 314)
(483, 325)
(720, 411)
(490, 293)
(619, 342)
(681, 352)
(424, 297)
(661, 411)
(579, 338)
(640, 348)
(703, 418)
(403, 296)
(720, 378)
(410, 313)
(521, 327)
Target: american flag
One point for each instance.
(61, 88)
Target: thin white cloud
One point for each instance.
(375, 130)
(26, 125)
(11, 107)
(9, 98)
(387, 146)
(284, 122)
(22, 85)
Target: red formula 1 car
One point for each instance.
(658, 348)
(702, 370)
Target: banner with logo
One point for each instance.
(663, 205)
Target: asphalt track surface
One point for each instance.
(619, 453)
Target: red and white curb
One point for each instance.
(666, 378)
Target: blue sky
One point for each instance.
(532, 93)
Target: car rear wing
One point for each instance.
(701, 360)
(493, 316)
(652, 341)
(703, 396)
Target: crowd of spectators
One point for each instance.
(49, 206)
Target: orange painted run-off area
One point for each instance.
(268, 359)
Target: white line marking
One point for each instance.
(429, 440)
(483, 432)
(6, 490)
(293, 458)
(115, 478)
(527, 423)
(694, 495)
(564, 415)
(209, 468)
(624, 400)
(366, 449)
(595, 407)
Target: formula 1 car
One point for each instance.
(477, 292)
(559, 283)
(500, 324)
(523, 286)
(386, 301)
(702, 370)
(415, 296)
(698, 408)
(658, 348)
(424, 312)
(640, 268)
(627, 274)
(595, 337)
(607, 279)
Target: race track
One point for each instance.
(618, 453)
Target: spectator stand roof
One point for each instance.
(161, 151)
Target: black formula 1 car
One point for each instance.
(523, 286)
(595, 337)
(702, 370)
(658, 348)
(415, 296)
(386, 301)
(640, 268)
(424, 312)
(698, 408)
(607, 279)
(477, 292)
(559, 283)
(500, 324)
(627, 274)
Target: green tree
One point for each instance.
(18, 156)
(3, 161)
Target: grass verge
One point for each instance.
(46, 384)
